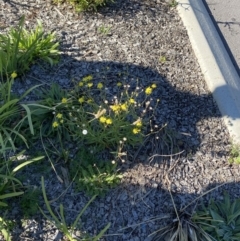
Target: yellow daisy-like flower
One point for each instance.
(14, 75)
(100, 86)
(64, 100)
(136, 130)
(59, 116)
(115, 108)
(89, 101)
(81, 100)
(90, 85)
(123, 107)
(148, 91)
(109, 121)
(55, 124)
(154, 86)
(102, 119)
(87, 78)
(139, 124)
(61, 121)
(119, 84)
(80, 84)
(132, 101)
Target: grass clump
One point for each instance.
(61, 224)
(21, 48)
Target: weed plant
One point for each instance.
(90, 117)
(95, 178)
(104, 29)
(173, 3)
(85, 5)
(235, 154)
(5, 228)
(97, 122)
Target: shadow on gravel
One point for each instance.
(183, 112)
(145, 198)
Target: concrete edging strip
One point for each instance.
(219, 73)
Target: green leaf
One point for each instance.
(29, 118)
(27, 163)
(216, 216)
(8, 195)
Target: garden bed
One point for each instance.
(128, 41)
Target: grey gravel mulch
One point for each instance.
(140, 35)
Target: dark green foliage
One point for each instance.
(29, 202)
(91, 175)
(21, 48)
(220, 219)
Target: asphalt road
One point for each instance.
(213, 28)
(226, 15)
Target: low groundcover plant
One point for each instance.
(220, 219)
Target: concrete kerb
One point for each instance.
(219, 73)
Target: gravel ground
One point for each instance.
(141, 33)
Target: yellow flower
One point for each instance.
(139, 124)
(61, 121)
(90, 85)
(102, 119)
(59, 115)
(136, 131)
(81, 100)
(148, 91)
(154, 86)
(64, 100)
(115, 108)
(119, 84)
(123, 107)
(55, 124)
(14, 75)
(87, 78)
(89, 100)
(132, 101)
(109, 121)
(80, 84)
(100, 85)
